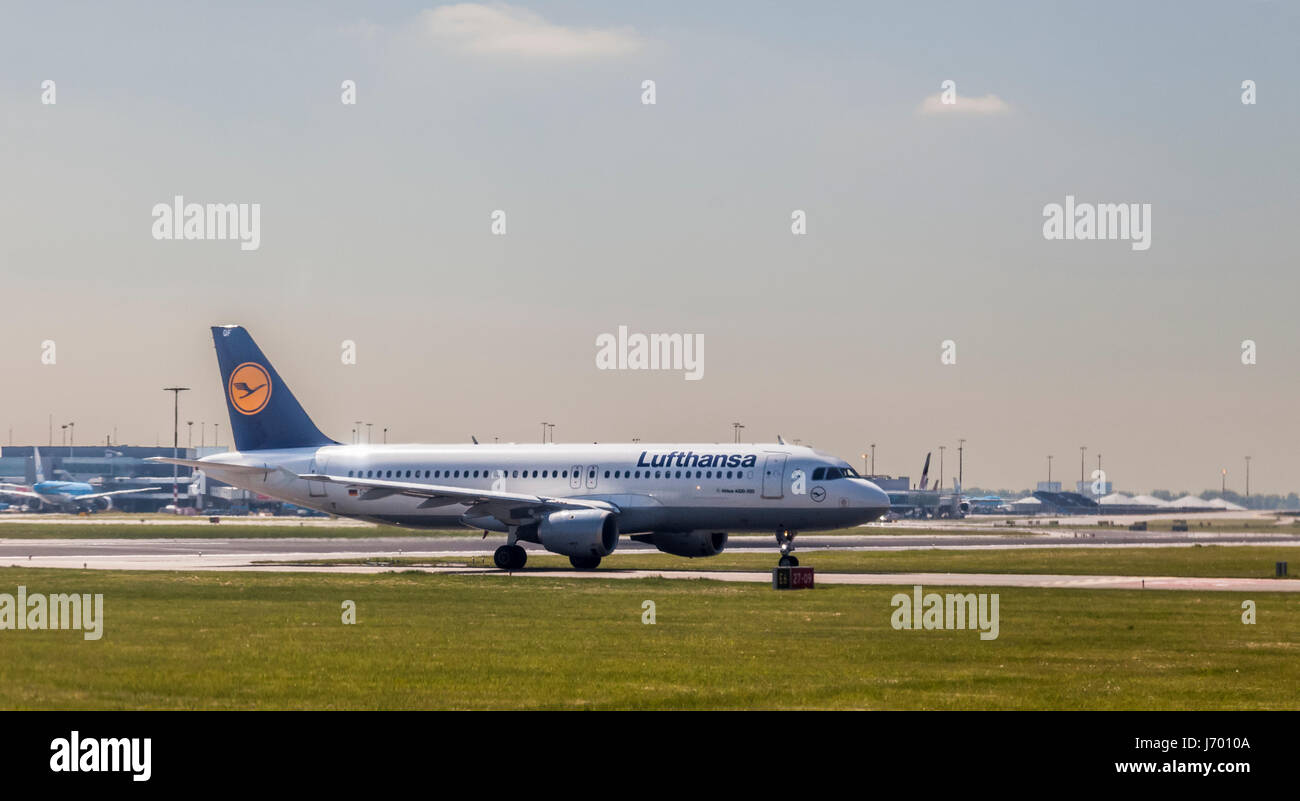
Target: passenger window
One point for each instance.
(679, 474)
(606, 474)
(566, 474)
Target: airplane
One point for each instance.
(574, 500)
(67, 496)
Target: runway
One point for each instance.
(242, 554)
(331, 547)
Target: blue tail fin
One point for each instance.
(263, 412)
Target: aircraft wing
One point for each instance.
(511, 508)
(21, 492)
(114, 492)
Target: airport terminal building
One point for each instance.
(123, 467)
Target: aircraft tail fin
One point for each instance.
(925, 472)
(40, 471)
(263, 412)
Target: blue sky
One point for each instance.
(673, 217)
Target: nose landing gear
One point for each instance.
(785, 539)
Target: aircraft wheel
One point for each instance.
(788, 561)
(585, 562)
(510, 557)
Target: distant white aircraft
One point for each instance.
(67, 496)
(575, 500)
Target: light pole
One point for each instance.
(873, 458)
(385, 435)
(190, 444)
(1223, 483)
(1247, 476)
(203, 433)
(369, 437)
(550, 430)
(961, 459)
(216, 435)
(735, 427)
(544, 425)
(176, 441)
(1082, 450)
(356, 433)
(1049, 468)
(72, 436)
(942, 448)
(866, 471)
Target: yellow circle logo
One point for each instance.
(249, 388)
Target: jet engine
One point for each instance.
(577, 532)
(686, 543)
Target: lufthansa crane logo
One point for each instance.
(249, 388)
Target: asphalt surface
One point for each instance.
(445, 546)
(241, 554)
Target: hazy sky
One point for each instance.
(924, 224)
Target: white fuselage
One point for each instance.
(655, 487)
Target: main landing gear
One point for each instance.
(510, 557)
(785, 539)
(585, 562)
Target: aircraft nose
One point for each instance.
(873, 497)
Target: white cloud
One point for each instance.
(500, 29)
(988, 104)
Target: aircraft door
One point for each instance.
(592, 469)
(575, 477)
(774, 475)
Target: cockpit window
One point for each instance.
(834, 472)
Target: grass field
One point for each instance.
(1207, 560)
(222, 641)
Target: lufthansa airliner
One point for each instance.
(575, 500)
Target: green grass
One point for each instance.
(1208, 560)
(241, 641)
(1215, 525)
